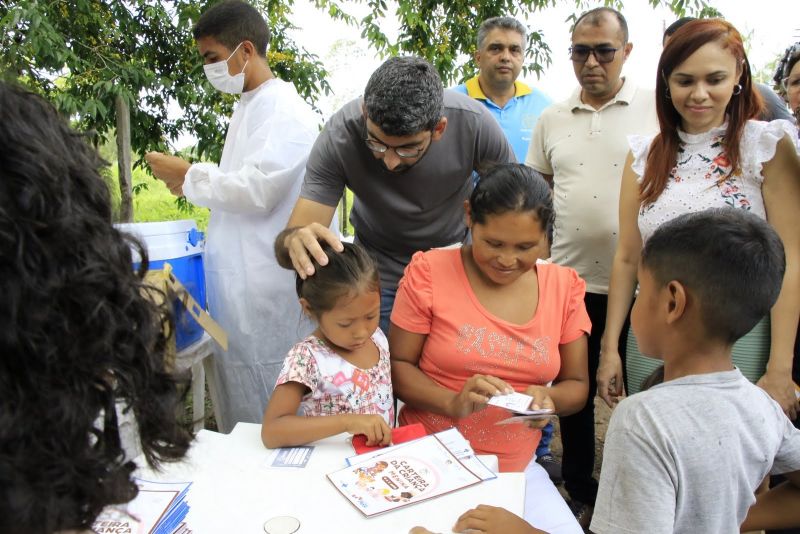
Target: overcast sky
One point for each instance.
(770, 24)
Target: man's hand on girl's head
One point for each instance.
(304, 241)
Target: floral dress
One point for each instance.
(693, 186)
(337, 386)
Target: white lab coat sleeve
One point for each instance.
(277, 151)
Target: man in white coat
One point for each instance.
(250, 193)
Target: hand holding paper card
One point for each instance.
(520, 404)
(516, 402)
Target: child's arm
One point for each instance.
(488, 520)
(282, 427)
(776, 509)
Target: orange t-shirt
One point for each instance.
(435, 298)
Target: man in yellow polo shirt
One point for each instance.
(515, 105)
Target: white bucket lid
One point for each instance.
(164, 240)
(147, 229)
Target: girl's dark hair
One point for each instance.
(746, 105)
(77, 334)
(512, 187)
(352, 269)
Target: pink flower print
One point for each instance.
(730, 190)
(722, 160)
(339, 379)
(360, 380)
(733, 196)
(708, 175)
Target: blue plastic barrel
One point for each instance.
(180, 244)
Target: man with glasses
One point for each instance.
(407, 150)
(580, 145)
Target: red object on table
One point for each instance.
(401, 434)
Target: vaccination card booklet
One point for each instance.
(402, 475)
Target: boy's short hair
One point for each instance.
(404, 96)
(731, 260)
(232, 22)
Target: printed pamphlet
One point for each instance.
(401, 475)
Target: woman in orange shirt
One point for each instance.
(485, 318)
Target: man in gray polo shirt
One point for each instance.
(407, 150)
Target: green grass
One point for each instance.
(152, 201)
(344, 222)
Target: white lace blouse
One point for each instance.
(693, 183)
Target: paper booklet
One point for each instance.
(401, 475)
(454, 441)
(159, 508)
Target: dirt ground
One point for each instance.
(602, 414)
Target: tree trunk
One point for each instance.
(343, 213)
(124, 159)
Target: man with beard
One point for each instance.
(407, 149)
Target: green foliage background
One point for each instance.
(82, 54)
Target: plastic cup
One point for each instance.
(282, 524)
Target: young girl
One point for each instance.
(486, 318)
(340, 375)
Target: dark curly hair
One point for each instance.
(78, 335)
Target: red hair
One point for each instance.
(746, 105)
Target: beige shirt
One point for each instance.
(585, 150)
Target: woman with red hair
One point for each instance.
(710, 152)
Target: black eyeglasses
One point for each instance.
(402, 152)
(603, 54)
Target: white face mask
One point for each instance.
(219, 77)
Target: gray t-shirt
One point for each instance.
(774, 106)
(397, 214)
(686, 456)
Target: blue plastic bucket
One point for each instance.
(180, 244)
